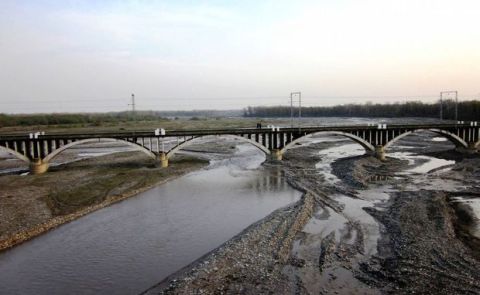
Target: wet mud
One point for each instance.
(363, 226)
(420, 251)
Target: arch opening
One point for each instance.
(15, 154)
(457, 141)
(194, 140)
(366, 145)
(56, 152)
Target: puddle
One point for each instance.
(90, 155)
(353, 210)
(439, 139)
(428, 163)
(325, 221)
(329, 155)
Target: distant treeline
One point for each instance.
(98, 119)
(82, 118)
(467, 110)
(201, 113)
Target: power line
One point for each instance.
(276, 98)
(179, 103)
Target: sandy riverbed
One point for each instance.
(404, 238)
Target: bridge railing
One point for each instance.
(233, 131)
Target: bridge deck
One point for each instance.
(235, 131)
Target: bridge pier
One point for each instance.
(162, 160)
(375, 139)
(38, 166)
(380, 152)
(276, 155)
(471, 149)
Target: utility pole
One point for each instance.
(456, 105)
(133, 103)
(455, 92)
(291, 109)
(299, 106)
(441, 106)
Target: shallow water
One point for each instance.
(326, 220)
(329, 155)
(338, 222)
(428, 163)
(130, 246)
(345, 225)
(474, 204)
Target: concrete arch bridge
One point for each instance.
(39, 150)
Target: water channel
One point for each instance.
(130, 246)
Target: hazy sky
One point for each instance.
(91, 55)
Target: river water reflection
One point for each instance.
(129, 246)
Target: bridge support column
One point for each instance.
(276, 155)
(38, 166)
(471, 149)
(162, 160)
(380, 152)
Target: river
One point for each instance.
(130, 246)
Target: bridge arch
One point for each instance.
(457, 141)
(192, 140)
(15, 154)
(365, 144)
(61, 149)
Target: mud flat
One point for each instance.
(362, 227)
(254, 261)
(420, 251)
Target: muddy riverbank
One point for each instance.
(362, 227)
(255, 261)
(33, 204)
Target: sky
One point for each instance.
(90, 56)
